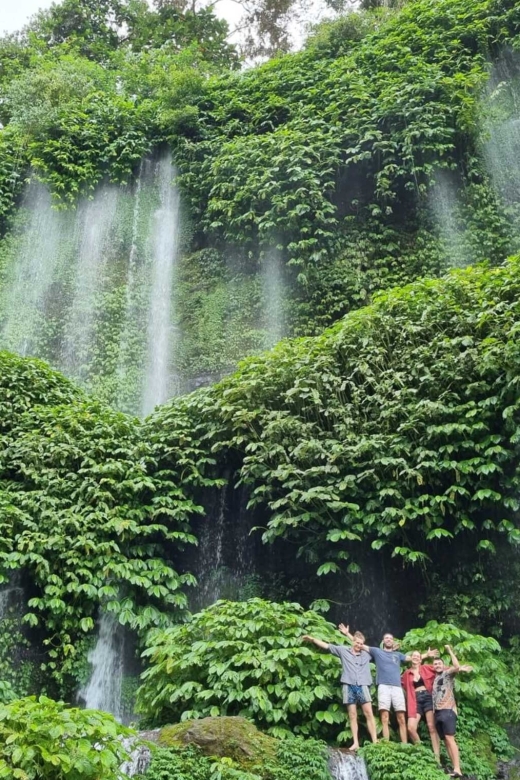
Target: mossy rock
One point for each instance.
(229, 737)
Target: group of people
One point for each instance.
(422, 691)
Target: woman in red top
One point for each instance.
(418, 683)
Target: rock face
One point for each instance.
(232, 737)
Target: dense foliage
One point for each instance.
(41, 739)
(244, 658)
(293, 759)
(363, 161)
(81, 515)
(396, 430)
(395, 761)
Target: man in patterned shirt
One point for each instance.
(445, 707)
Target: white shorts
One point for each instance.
(391, 696)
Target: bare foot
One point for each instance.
(353, 748)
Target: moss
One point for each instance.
(229, 737)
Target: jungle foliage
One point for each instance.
(330, 156)
(396, 430)
(41, 739)
(259, 669)
(82, 516)
(293, 759)
(247, 659)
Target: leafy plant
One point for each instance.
(395, 761)
(43, 740)
(244, 658)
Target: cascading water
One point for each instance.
(95, 224)
(274, 298)
(89, 289)
(225, 559)
(104, 688)
(32, 270)
(346, 766)
(444, 205)
(140, 757)
(165, 245)
(500, 127)
(11, 597)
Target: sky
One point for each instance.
(15, 13)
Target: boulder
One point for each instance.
(230, 737)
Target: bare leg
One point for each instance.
(385, 717)
(371, 723)
(413, 724)
(352, 714)
(401, 722)
(436, 745)
(453, 752)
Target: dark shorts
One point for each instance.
(356, 694)
(445, 723)
(424, 702)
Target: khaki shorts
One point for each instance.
(391, 697)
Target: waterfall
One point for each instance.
(32, 270)
(96, 220)
(126, 358)
(273, 295)
(346, 766)
(140, 757)
(502, 157)
(212, 574)
(11, 597)
(224, 562)
(89, 288)
(500, 127)
(103, 690)
(445, 207)
(165, 241)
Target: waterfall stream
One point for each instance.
(347, 766)
(90, 288)
(104, 688)
(274, 298)
(160, 338)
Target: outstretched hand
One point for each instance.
(432, 653)
(306, 638)
(344, 629)
(465, 668)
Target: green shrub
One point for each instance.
(41, 739)
(245, 658)
(395, 761)
(295, 759)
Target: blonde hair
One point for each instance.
(359, 635)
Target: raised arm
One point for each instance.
(343, 629)
(455, 666)
(318, 642)
(430, 653)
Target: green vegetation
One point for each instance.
(395, 761)
(81, 514)
(244, 658)
(289, 759)
(41, 739)
(395, 431)
(334, 157)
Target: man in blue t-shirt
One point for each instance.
(390, 693)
